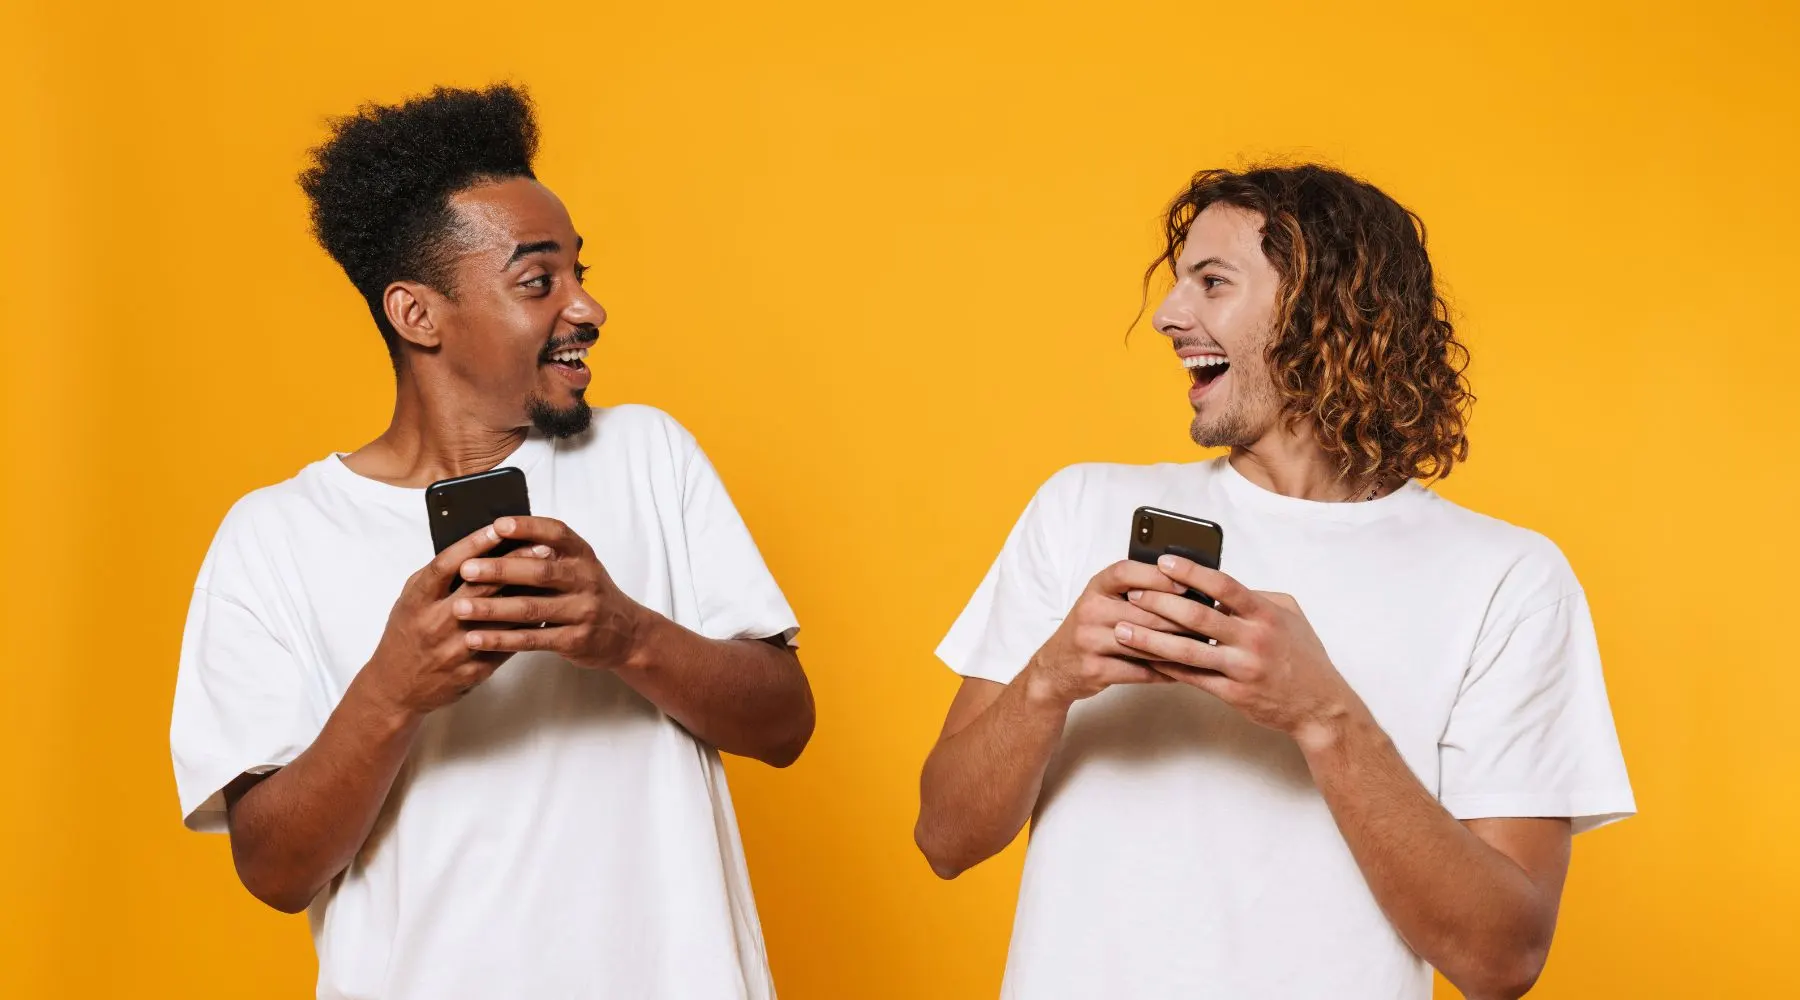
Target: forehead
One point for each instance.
(1227, 232)
(498, 217)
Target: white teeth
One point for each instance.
(1204, 361)
(566, 357)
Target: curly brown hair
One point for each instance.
(1364, 349)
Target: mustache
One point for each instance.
(584, 336)
(1183, 343)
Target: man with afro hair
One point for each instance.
(492, 773)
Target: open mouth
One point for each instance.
(1205, 369)
(572, 359)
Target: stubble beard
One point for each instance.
(1246, 417)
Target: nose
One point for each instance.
(584, 310)
(1173, 318)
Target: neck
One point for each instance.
(1292, 464)
(432, 436)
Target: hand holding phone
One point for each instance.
(1155, 533)
(461, 506)
(423, 661)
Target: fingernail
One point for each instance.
(473, 639)
(1122, 630)
(1133, 595)
(1166, 562)
(463, 608)
(505, 525)
(471, 570)
(541, 551)
(491, 535)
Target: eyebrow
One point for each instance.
(524, 250)
(1218, 262)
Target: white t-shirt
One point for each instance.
(1178, 850)
(553, 834)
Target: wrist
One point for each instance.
(1330, 729)
(638, 630)
(1039, 687)
(389, 713)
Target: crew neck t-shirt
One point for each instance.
(552, 834)
(1178, 850)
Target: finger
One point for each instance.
(1150, 644)
(1138, 672)
(518, 640)
(1129, 574)
(444, 568)
(1122, 666)
(1239, 599)
(1190, 615)
(547, 574)
(517, 610)
(476, 590)
(1102, 641)
(1211, 681)
(545, 530)
(1141, 616)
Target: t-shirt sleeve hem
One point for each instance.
(1587, 810)
(209, 815)
(966, 663)
(783, 627)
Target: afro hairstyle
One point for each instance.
(381, 185)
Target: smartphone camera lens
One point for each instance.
(1144, 524)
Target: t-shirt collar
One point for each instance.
(1243, 491)
(524, 457)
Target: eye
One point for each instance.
(1211, 281)
(581, 271)
(540, 283)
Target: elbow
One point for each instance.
(275, 894)
(271, 888)
(1506, 977)
(788, 749)
(942, 863)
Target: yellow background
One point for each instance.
(880, 259)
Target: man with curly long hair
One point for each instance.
(1376, 763)
(461, 824)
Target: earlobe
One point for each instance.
(410, 309)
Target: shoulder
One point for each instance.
(1530, 570)
(629, 438)
(253, 526)
(1103, 486)
(1103, 479)
(636, 426)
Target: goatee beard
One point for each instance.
(557, 422)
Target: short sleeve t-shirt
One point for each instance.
(1178, 850)
(552, 834)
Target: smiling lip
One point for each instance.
(576, 377)
(1206, 368)
(570, 363)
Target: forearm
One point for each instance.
(292, 832)
(1462, 905)
(980, 785)
(744, 696)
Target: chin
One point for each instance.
(1222, 431)
(559, 421)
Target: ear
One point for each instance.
(417, 312)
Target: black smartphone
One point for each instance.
(1155, 533)
(462, 506)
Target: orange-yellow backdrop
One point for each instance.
(880, 259)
